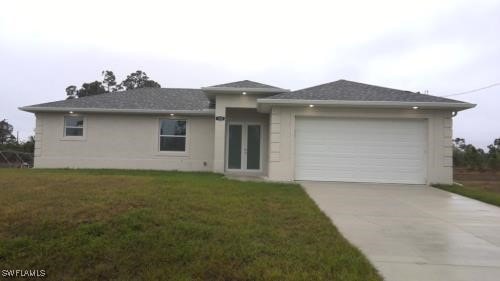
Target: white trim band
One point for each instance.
(115, 110)
(344, 103)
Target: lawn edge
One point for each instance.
(461, 189)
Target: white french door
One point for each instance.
(244, 146)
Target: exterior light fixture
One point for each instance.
(171, 114)
(244, 93)
(415, 107)
(71, 112)
(311, 105)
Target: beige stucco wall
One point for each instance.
(131, 141)
(282, 137)
(121, 141)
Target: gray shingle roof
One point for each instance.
(139, 99)
(353, 91)
(196, 100)
(245, 84)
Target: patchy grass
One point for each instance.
(483, 186)
(149, 225)
(473, 191)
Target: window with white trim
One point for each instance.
(173, 135)
(73, 126)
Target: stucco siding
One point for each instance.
(121, 141)
(275, 132)
(131, 141)
(38, 136)
(439, 124)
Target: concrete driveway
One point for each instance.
(412, 232)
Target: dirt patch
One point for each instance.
(487, 180)
(469, 175)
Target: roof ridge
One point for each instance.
(153, 88)
(382, 87)
(343, 89)
(141, 89)
(245, 84)
(322, 84)
(369, 85)
(177, 88)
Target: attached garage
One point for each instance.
(361, 150)
(355, 132)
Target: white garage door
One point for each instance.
(361, 150)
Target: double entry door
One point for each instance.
(244, 146)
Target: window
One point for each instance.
(172, 135)
(73, 126)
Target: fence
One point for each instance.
(16, 159)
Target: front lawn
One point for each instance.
(149, 225)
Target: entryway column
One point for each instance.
(220, 138)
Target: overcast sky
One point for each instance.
(443, 47)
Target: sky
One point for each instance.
(443, 47)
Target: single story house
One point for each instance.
(339, 131)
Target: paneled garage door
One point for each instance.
(361, 150)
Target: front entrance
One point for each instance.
(243, 147)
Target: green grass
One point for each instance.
(475, 191)
(150, 225)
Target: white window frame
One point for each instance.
(186, 138)
(84, 128)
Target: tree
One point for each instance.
(151, 84)
(10, 143)
(459, 143)
(109, 81)
(6, 136)
(493, 156)
(139, 79)
(91, 89)
(458, 152)
(467, 155)
(135, 80)
(29, 145)
(474, 157)
(71, 92)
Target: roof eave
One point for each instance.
(35, 109)
(264, 105)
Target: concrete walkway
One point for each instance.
(412, 232)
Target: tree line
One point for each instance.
(9, 142)
(134, 80)
(470, 157)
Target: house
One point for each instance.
(339, 131)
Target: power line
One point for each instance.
(474, 90)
